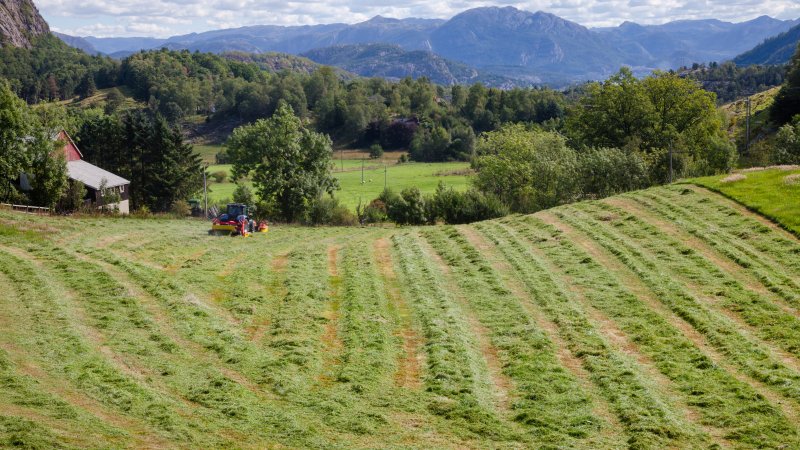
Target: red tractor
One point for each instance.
(236, 221)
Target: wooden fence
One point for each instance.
(39, 210)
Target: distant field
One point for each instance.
(774, 193)
(425, 176)
(665, 318)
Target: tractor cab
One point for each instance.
(236, 221)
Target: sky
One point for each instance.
(164, 18)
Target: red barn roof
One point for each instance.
(70, 149)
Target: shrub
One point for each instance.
(610, 171)
(408, 208)
(72, 199)
(180, 208)
(375, 151)
(327, 210)
(222, 157)
(527, 170)
(375, 212)
(787, 143)
(464, 207)
(243, 194)
(220, 176)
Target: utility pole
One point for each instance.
(747, 145)
(362, 170)
(385, 175)
(205, 190)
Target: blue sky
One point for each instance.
(162, 18)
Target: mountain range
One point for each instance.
(496, 45)
(775, 50)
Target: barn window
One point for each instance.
(122, 189)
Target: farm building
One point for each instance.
(94, 178)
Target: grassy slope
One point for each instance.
(766, 192)
(666, 318)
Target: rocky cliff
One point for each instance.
(20, 22)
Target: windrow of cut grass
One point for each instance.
(547, 399)
(456, 375)
(120, 322)
(367, 324)
(720, 331)
(724, 221)
(723, 402)
(704, 279)
(748, 258)
(649, 420)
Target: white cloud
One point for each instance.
(168, 17)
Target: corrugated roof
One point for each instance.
(93, 176)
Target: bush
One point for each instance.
(222, 157)
(787, 143)
(402, 159)
(180, 208)
(610, 171)
(463, 207)
(375, 212)
(142, 213)
(327, 210)
(72, 199)
(243, 194)
(375, 151)
(220, 176)
(408, 208)
(527, 170)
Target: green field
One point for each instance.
(666, 318)
(425, 176)
(774, 193)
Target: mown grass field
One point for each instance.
(425, 176)
(774, 193)
(667, 318)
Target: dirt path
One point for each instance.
(612, 427)
(616, 336)
(501, 384)
(631, 282)
(411, 360)
(331, 342)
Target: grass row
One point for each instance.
(367, 324)
(455, 375)
(698, 274)
(736, 246)
(744, 230)
(61, 350)
(720, 331)
(649, 421)
(723, 402)
(766, 192)
(548, 400)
